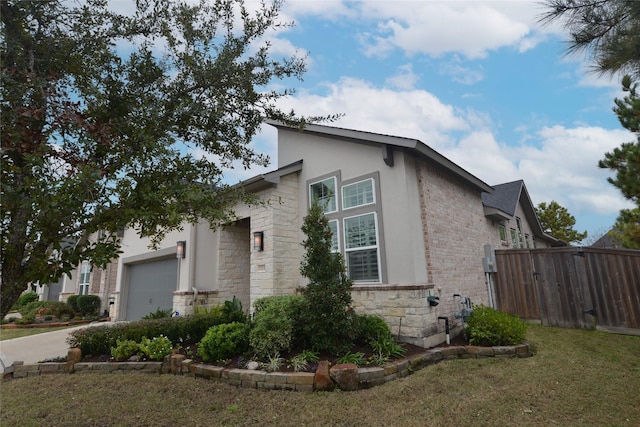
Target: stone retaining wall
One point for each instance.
(298, 381)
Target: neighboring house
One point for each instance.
(410, 223)
(515, 216)
(608, 241)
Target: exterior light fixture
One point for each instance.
(258, 241)
(180, 249)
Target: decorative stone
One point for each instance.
(253, 365)
(74, 355)
(322, 380)
(176, 363)
(135, 358)
(346, 376)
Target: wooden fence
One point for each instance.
(571, 287)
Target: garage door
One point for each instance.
(151, 286)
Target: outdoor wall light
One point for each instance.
(258, 241)
(180, 249)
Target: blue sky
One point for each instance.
(481, 82)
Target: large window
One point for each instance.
(325, 193)
(502, 232)
(85, 275)
(353, 220)
(361, 247)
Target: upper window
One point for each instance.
(514, 239)
(85, 274)
(358, 194)
(325, 193)
(335, 238)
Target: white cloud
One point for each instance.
(460, 73)
(405, 78)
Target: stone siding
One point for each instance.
(233, 262)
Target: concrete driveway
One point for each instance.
(35, 348)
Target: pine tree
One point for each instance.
(327, 315)
(558, 222)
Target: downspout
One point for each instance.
(192, 261)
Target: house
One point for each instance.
(414, 229)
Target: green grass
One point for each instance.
(577, 378)
(9, 334)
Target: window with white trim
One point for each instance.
(361, 247)
(358, 194)
(85, 275)
(325, 193)
(514, 239)
(502, 232)
(335, 236)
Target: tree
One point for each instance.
(103, 114)
(609, 28)
(326, 316)
(625, 161)
(558, 222)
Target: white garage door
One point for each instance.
(151, 286)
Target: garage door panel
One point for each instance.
(151, 286)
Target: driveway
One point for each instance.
(35, 348)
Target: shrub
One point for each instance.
(273, 327)
(60, 309)
(386, 347)
(370, 328)
(157, 348)
(158, 314)
(183, 330)
(224, 341)
(25, 299)
(327, 316)
(88, 305)
(124, 349)
(355, 358)
(487, 326)
(232, 311)
(73, 303)
(34, 307)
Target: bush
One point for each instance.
(158, 348)
(88, 305)
(73, 303)
(35, 308)
(370, 328)
(60, 309)
(158, 314)
(182, 330)
(489, 327)
(274, 324)
(124, 349)
(25, 299)
(224, 341)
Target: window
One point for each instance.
(514, 239)
(335, 238)
(85, 274)
(519, 232)
(358, 194)
(502, 232)
(325, 193)
(361, 247)
(526, 240)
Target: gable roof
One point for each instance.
(388, 145)
(503, 202)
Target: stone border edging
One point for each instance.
(296, 381)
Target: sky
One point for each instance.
(481, 82)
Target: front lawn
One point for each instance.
(576, 378)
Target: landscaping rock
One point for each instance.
(135, 358)
(322, 380)
(176, 363)
(253, 365)
(346, 376)
(74, 355)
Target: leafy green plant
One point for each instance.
(348, 357)
(302, 361)
(213, 310)
(232, 311)
(124, 349)
(387, 347)
(489, 327)
(370, 327)
(88, 305)
(327, 315)
(274, 363)
(158, 314)
(273, 326)
(60, 310)
(25, 299)
(72, 300)
(224, 341)
(157, 348)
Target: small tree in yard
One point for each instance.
(327, 316)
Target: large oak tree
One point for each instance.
(102, 112)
